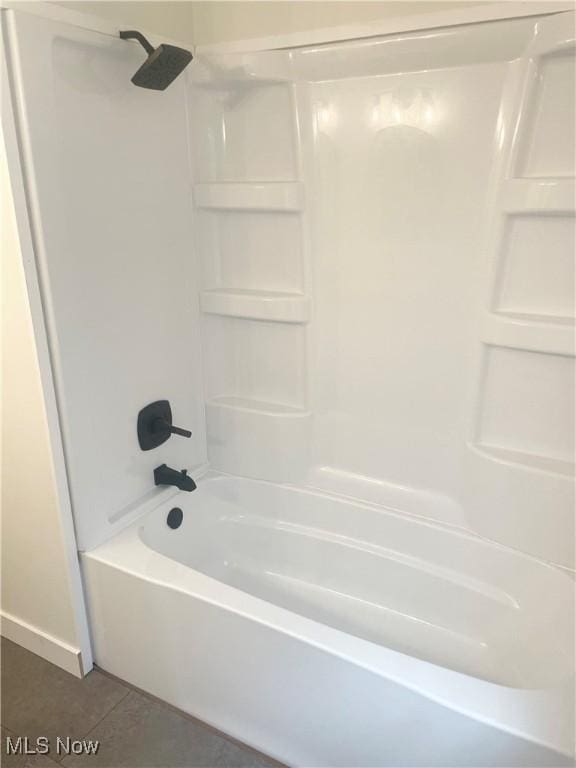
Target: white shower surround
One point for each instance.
(366, 277)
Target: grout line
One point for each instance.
(128, 692)
(110, 711)
(129, 689)
(87, 734)
(246, 747)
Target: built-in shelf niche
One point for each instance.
(256, 305)
(537, 266)
(249, 236)
(251, 251)
(244, 133)
(250, 196)
(531, 333)
(527, 408)
(222, 73)
(547, 149)
(256, 419)
(255, 360)
(529, 460)
(258, 439)
(260, 407)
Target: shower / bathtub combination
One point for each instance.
(346, 269)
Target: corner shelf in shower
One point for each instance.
(527, 195)
(256, 305)
(261, 69)
(535, 333)
(527, 460)
(260, 407)
(250, 196)
(260, 439)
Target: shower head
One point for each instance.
(163, 64)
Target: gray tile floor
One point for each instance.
(134, 730)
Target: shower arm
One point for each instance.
(132, 34)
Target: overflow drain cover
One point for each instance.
(175, 517)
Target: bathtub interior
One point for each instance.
(425, 590)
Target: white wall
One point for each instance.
(172, 19)
(216, 22)
(37, 596)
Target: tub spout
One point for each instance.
(164, 475)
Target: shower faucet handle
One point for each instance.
(155, 425)
(162, 425)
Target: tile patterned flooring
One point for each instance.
(134, 730)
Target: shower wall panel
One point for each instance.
(435, 260)
(522, 432)
(402, 164)
(373, 248)
(250, 237)
(109, 194)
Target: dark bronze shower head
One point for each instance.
(163, 64)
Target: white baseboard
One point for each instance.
(41, 643)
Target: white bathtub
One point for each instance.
(327, 632)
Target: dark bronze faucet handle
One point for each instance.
(161, 425)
